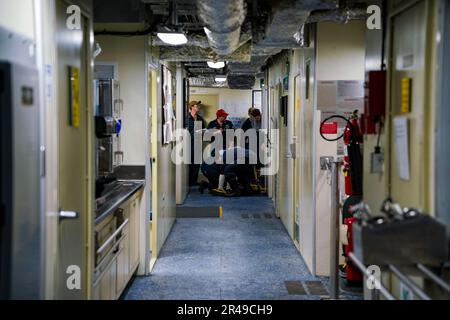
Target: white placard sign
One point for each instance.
(402, 147)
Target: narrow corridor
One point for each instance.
(333, 114)
(246, 255)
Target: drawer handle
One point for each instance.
(110, 239)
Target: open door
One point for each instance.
(73, 158)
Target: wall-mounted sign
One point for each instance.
(402, 147)
(74, 97)
(340, 96)
(257, 99)
(330, 128)
(406, 95)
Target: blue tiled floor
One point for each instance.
(234, 258)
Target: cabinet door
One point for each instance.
(134, 233)
(123, 263)
(108, 282)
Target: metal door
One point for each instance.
(72, 158)
(409, 62)
(297, 171)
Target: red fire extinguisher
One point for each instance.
(353, 137)
(354, 276)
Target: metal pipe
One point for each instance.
(435, 278)
(334, 231)
(378, 283)
(409, 283)
(223, 20)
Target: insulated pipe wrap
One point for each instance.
(222, 20)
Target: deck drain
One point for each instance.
(295, 288)
(244, 216)
(316, 288)
(268, 216)
(256, 216)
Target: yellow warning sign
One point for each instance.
(74, 74)
(406, 95)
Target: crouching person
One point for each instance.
(238, 169)
(212, 173)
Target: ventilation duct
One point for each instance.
(338, 15)
(206, 82)
(222, 20)
(188, 53)
(241, 81)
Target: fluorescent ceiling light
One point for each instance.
(221, 78)
(172, 38)
(216, 65)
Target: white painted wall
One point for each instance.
(341, 51)
(18, 16)
(129, 54)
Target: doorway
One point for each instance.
(297, 167)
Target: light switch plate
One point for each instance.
(376, 162)
(325, 163)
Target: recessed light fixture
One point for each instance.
(216, 65)
(221, 78)
(172, 38)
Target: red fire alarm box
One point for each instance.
(375, 101)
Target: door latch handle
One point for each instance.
(68, 215)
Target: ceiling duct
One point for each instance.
(338, 15)
(251, 67)
(241, 81)
(188, 53)
(205, 81)
(223, 20)
(284, 30)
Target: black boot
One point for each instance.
(203, 185)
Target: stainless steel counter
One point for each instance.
(113, 199)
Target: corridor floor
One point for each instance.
(246, 255)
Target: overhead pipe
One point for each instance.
(338, 15)
(222, 20)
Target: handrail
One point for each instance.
(404, 279)
(435, 278)
(409, 283)
(378, 283)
